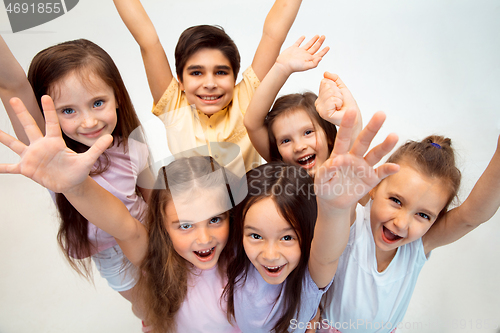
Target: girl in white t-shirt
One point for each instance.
(392, 237)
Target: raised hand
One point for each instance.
(348, 175)
(47, 160)
(298, 59)
(335, 99)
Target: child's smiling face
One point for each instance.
(270, 242)
(208, 80)
(198, 227)
(404, 207)
(299, 141)
(86, 110)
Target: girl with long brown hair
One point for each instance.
(91, 101)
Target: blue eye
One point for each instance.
(185, 226)
(425, 216)
(215, 220)
(98, 103)
(68, 111)
(395, 200)
(308, 132)
(222, 73)
(255, 236)
(287, 238)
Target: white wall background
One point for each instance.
(432, 66)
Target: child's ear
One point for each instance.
(181, 85)
(372, 192)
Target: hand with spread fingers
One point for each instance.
(299, 58)
(349, 173)
(47, 160)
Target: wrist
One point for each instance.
(282, 69)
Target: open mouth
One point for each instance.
(307, 161)
(389, 236)
(273, 270)
(205, 255)
(210, 98)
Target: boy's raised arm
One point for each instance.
(481, 204)
(155, 60)
(278, 22)
(13, 83)
(293, 59)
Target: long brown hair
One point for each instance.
(433, 157)
(299, 209)
(47, 68)
(163, 284)
(292, 103)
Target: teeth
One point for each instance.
(209, 98)
(305, 158)
(273, 267)
(207, 251)
(393, 233)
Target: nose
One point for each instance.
(210, 82)
(204, 236)
(299, 146)
(401, 221)
(89, 121)
(271, 252)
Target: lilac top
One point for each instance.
(202, 310)
(258, 304)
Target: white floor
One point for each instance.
(432, 66)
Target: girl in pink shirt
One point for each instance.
(91, 101)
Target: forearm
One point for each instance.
(142, 29)
(104, 210)
(331, 235)
(259, 107)
(13, 83)
(484, 199)
(280, 18)
(276, 26)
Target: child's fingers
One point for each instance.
(30, 127)
(10, 168)
(343, 138)
(15, 145)
(98, 148)
(311, 42)
(386, 169)
(52, 127)
(323, 51)
(364, 139)
(299, 41)
(378, 152)
(316, 46)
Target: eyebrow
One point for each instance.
(217, 67)
(249, 227)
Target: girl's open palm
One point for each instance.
(347, 176)
(47, 160)
(298, 59)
